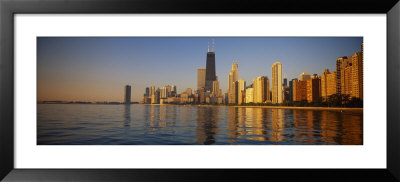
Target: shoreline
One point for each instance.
(274, 107)
(268, 107)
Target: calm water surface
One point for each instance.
(91, 124)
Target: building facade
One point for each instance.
(232, 78)
(277, 82)
(210, 68)
(313, 89)
(341, 64)
(249, 95)
(201, 78)
(127, 99)
(261, 89)
(328, 84)
(349, 70)
(291, 89)
(241, 91)
(357, 75)
(299, 90)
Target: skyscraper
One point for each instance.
(349, 71)
(201, 78)
(232, 78)
(277, 82)
(164, 91)
(341, 64)
(152, 90)
(299, 90)
(147, 91)
(313, 88)
(284, 82)
(249, 95)
(127, 99)
(216, 94)
(328, 84)
(261, 89)
(357, 75)
(291, 85)
(210, 68)
(241, 91)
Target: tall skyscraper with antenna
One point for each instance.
(210, 67)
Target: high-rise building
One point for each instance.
(147, 91)
(152, 94)
(164, 92)
(357, 75)
(299, 90)
(172, 91)
(173, 88)
(201, 77)
(286, 94)
(216, 94)
(235, 92)
(261, 89)
(249, 95)
(277, 82)
(291, 84)
(349, 70)
(127, 99)
(147, 96)
(210, 68)
(232, 78)
(215, 89)
(152, 90)
(328, 84)
(313, 88)
(304, 76)
(342, 78)
(202, 95)
(155, 97)
(285, 82)
(241, 91)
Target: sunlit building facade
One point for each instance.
(313, 89)
(201, 77)
(241, 91)
(232, 78)
(328, 84)
(249, 95)
(261, 89)
(277, 82)
(299, 90)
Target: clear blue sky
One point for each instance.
(97, 68)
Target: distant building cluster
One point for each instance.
(347, 79)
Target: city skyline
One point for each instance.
(96, 69)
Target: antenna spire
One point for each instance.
(213, 45)
(208, 49)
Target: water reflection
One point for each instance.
(278, 125)
(207, 119)
(127, 115)
(169, 124)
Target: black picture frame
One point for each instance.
(8, 8)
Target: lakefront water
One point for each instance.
(95, 124)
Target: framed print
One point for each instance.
(129, 90)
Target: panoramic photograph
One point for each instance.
(200, 91)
